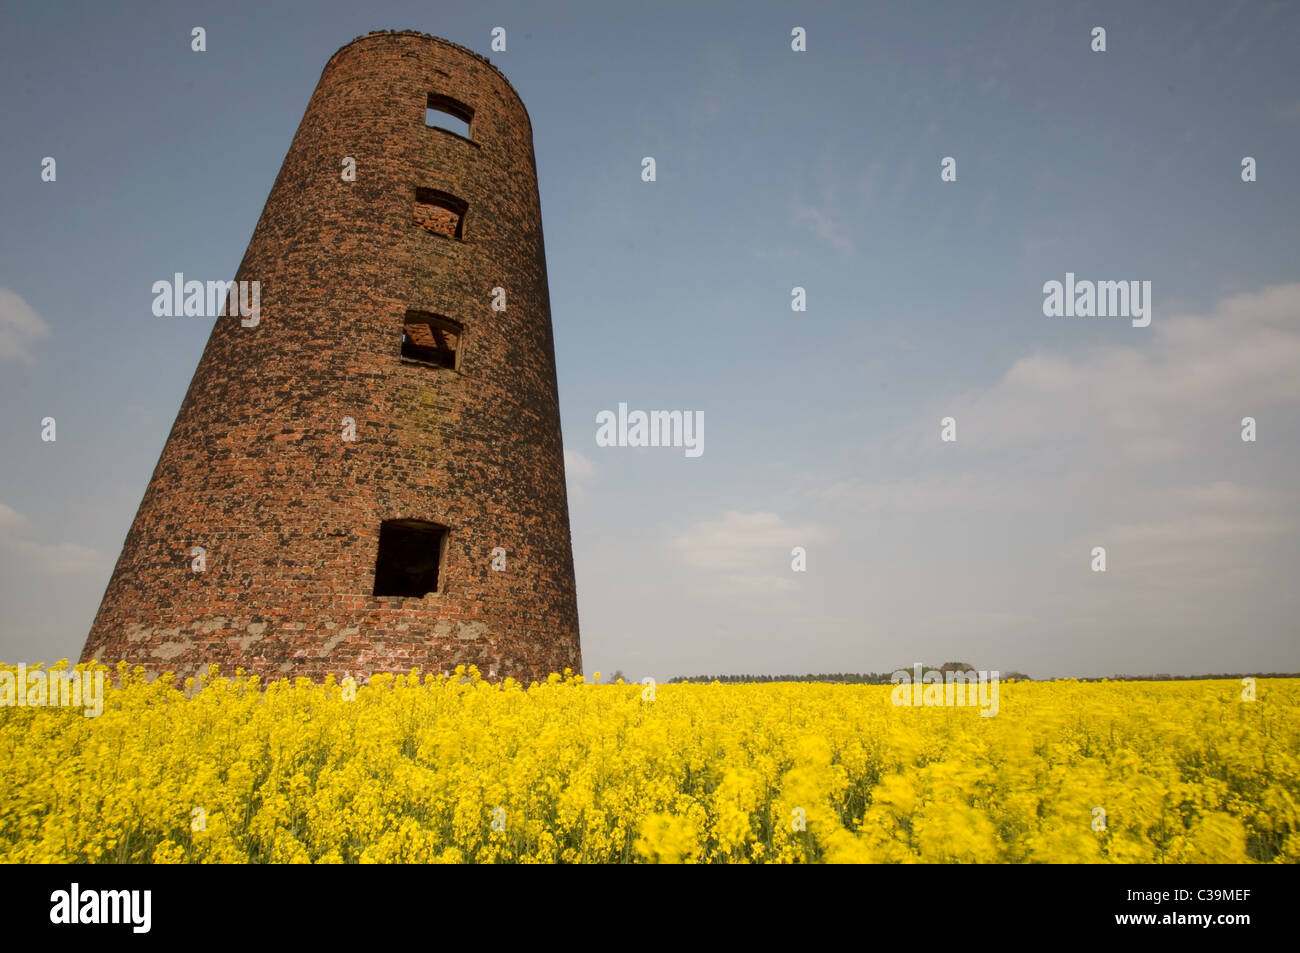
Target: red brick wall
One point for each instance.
(255, 469)
(434, 218)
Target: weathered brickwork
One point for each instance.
(256, 470)
(436, 219)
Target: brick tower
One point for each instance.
(439, 534)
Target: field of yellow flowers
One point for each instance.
(455, 769)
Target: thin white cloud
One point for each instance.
(742, 550)
(60, 559)
(1151, 396)
(20, 326)
(11, 520)
(48, 558)
(823, 225)
(579, 471)
(577, 466)
(1203, 533)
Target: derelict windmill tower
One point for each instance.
(440, 534)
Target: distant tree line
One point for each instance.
(1166, 677)
(883, 678)
(846, 678)
(849, 678)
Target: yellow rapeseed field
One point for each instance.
(454, 770)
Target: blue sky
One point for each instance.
(775, 169)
